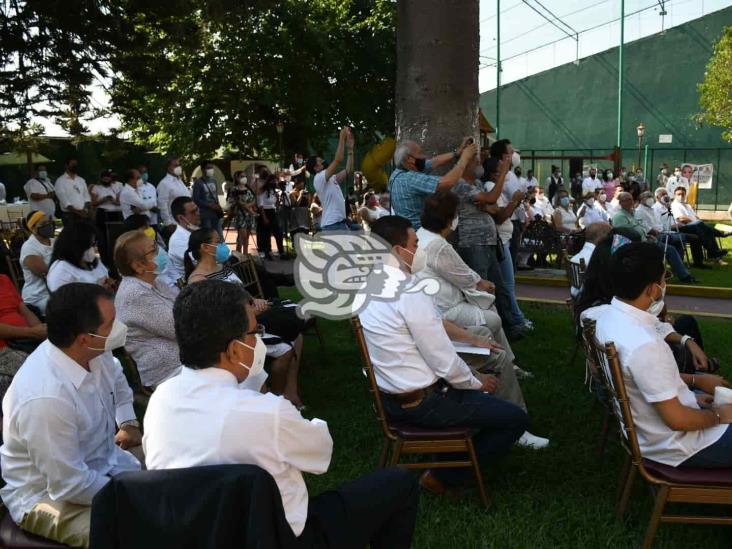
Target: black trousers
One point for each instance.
(515, 244)
(378, 510)
(706, 238)
(265, 231)
(105, 248)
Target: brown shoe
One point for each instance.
(429, 482)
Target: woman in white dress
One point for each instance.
(565, 220)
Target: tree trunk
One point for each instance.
(437, 72)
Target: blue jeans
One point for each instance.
(500, 424)
(482, 259)
(342, 226)
(716, 456)
(506, 266)
(674, 259)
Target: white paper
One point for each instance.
(470, 349)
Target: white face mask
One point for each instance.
(656, 306)
(454, 223)
(590, 202)
(418, 262)
(243, 180)
(90, 255)
(260, 353)
(177, 171)
(117, 337)
(602, 197)
(515, 159)
(648, 202)
(210, 172)
(610, 175)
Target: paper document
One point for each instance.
(470, 349)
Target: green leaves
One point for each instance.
(716, 91)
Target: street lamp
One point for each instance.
(280, 127)
(641, 129)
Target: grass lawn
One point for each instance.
(563, 496)
(717, 276)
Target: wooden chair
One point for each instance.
(596, 384)
(669, 484)
(16, 271)
(401, 439)
(576, 272)
(129, 367)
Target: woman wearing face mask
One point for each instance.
(35, 257)
(283, 327)
(75, 259)
(243, 208)
(565, 220)
(609, 183)
(589, 212)
(268, 224)
(371, 210)
(146, 307)
(601, 203)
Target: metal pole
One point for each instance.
(716, 176)
(619, 141)
(498, 69)
(645, 163)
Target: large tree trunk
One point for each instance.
(437, 72)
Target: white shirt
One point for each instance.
(663, 218)
(150, 197)
(103, 191)
(568, 217)
(71, 192)
(202, 417)
(589, 184)
(62, 272)
(651, 376)
(35, 291)
(647, 217)
(331, 198)
(543, 207)
(177, 246)
(511, 184)
(588, 215)
(3, 193)
(58, 429)
(586, 254)
(613, 207)
(683, 209)
(40, 186)
(674, 182)
(409, 347)
(132, 197)
(170, 188)
(532, 182)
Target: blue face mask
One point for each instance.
(144, 176)
(222, 252)
(564, 201)
(161, 261)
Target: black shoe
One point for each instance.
(690, 280)
(702, 266)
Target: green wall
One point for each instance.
(574, 107)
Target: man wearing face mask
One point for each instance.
(662, 177)
(205, 195)
(40, 192)
(591, 182)
(171, 187)
(689, 223)
(588, 213)
(675, 426)
(676, 180)
(410, 183)
(225, 422)
(188, 219)
(554, 182)
(68, 418)
(72, 193)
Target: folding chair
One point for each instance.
(595, 382)
(576, 272)
(669, 484)
(16, 271)
(401, 439)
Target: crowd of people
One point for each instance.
(167, 290)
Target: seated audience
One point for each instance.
(589, 212)
(140, 222)
(564, 218)
(689, 223)
(20, 332)
(422, 379)
(220, 348)
(594, 233)
(75, 258)
(675, 426)
(187, 218)
(145, 305)
(35, 257)
(68, 418)
(283, 326)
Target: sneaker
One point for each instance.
(722, 263)
(521, 373)
(528, 325)
(532, 442)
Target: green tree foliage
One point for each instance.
(195, 76)
(716, 90)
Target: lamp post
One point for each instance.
(280, 127)
(641, 129)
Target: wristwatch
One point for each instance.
(130, 423)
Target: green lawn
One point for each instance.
(563, 496)
(717, 276)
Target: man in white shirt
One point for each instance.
(72, 193)
(328, 185)
(589, 184)
(226, 423)
(503, 150)
(422, 379)
(675, 426)
(690, 223)
(531, 181)
(150, 195)
(40, 192)
(676, 180)
(653, 223)
(188, 219)
(171, 187)
(132, 199)
(68, 418)
(594, 233)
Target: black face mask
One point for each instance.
(72, 168)
(46, 231)
(325, 164)
(420, 164)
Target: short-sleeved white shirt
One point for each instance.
(103, 191)
(40, 186)
(72, 192)
(35, 291)
(331, 198)
(63, 272)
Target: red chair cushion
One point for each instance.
(687, 475)
(12, 537)
(412, 432)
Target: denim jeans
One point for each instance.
(500, 424)
(342, 226)
(506, 266)
(716, 456)
(482, 259)
(674, 258)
